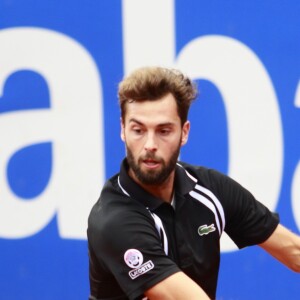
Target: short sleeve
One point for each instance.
(128, 246)
(248, 221)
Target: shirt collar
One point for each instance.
(183, 184)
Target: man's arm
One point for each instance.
(284, 246)
(176, 287)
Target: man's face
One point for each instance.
(153, 136)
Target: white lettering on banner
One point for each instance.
(72, 124)
(148, 33)
(296, 178)
(255, 142)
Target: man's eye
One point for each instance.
(137, 130)
(165, 131)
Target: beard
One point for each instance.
(152, 177)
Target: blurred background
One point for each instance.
(60, 64)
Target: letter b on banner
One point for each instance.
(255, 142)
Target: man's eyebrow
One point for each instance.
(135, 121)
(166, 124)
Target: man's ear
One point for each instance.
(122, 134)
(185, 132)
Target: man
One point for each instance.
(154, 232)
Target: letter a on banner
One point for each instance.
(72, 124)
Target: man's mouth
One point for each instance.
(151, 163)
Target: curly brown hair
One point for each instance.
(152, 83)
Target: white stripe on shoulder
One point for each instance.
(123, 190)
(209, 205)
(206, 202)
(216, 202)
(187, 173)
(161, 231)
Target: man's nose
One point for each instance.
(151, 143)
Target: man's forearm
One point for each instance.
(176, 287)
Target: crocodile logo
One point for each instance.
(205, 230)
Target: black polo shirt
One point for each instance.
(136, 240)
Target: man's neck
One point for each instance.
(162, 191)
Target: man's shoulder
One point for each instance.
(114, 207)
(202, 173)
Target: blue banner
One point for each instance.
(60, 64)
